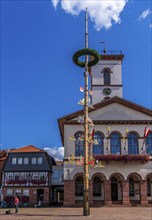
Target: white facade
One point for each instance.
(120, 181)
(97, 82)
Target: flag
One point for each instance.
(125, 135)
(90, 122)
(81, 102)
(91, 135)
(72, 138)
(80, 119)
(81, 89)
(146, 132)
(108, 131)
(90, 92)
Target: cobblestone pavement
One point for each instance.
(103, 213)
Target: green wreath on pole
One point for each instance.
(83, 52)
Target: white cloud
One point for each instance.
(150, 26)
(55, 3)
(144, 14)
(56, 152)
(102, 13)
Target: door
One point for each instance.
(114, 191)
(40, 197)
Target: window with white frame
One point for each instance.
(33, 160)
(35, 175)
(133, 143)
(16, 176)
(149, 144)
(79, 143)
(98, 147)
(26, 192)
(9, 192)
(23, 176)
(107, 77)
(115, 143)
(9, 176)
(42, 175)
(26, 160)
(14, 160)
(20, 160)
(39, 160)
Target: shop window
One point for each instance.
(17, 192)
(79, 186)
(97, 186)
(9, 192)
(26, 192)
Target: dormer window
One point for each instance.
(106, 75)
(39, 160)
(26, 160)
(20, 159)
(33, 160)
(14, 160)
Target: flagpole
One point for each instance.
(86, 206)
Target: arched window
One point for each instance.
(79, 186)
(107, 80)
(133, 143)
(79, 143)
(149, 144)
(97, 187)
(149, 187)
(115, 143)
(98, 148)
(131, 187)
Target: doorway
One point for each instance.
(40, 197)
(114, 191)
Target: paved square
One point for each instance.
(105, 213)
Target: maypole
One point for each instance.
(88, 63)
(86, 206)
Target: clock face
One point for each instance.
(106, 91)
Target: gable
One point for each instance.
(116, 111)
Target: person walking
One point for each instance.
(16, 202)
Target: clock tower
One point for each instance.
(106, 77)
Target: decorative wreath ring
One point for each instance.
(83, 52)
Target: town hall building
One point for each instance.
(120, 170)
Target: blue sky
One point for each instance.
(39, 81)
